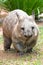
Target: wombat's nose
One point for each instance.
(28, 36)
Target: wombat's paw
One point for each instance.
(7, 49)
(21, 53)
(29, 50)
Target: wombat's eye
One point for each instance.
(32, 27)
(22, 28)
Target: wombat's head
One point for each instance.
(27, 26)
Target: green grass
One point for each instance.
(34, 58)
(26, 5)
(1, 39)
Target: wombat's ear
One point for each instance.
(20, 18)
(33, 14)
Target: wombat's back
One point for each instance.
(11, 20)
(9, 23)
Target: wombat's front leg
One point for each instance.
(29, 50)
(7, 43)
(19, 47)
(31, 45)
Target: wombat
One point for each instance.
(20, 29)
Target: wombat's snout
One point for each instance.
(29, 32)
(28, 36)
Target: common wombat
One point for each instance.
(20, 29)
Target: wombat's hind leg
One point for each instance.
(7, 43)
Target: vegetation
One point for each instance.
(26, 5)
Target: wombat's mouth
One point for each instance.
(28, 36)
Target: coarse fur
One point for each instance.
(20, 29)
